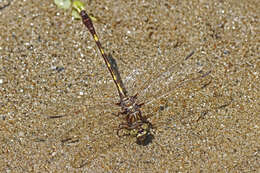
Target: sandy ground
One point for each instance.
(50, 67)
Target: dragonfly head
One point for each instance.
(142, 134)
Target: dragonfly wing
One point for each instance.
(185, 71)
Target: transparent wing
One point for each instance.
(158, 78)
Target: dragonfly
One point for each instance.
(135, 122)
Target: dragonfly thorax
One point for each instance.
(129, 105)
(130, 108)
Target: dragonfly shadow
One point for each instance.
(115, 70)
(149, 138)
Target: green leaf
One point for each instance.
(64, 4)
